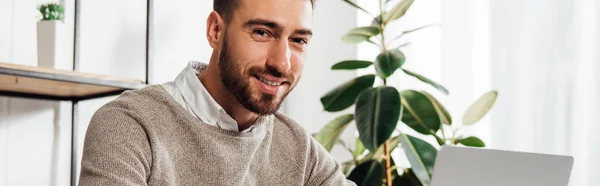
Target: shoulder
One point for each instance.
(149, 95)
(291, 132)
(286, 124)
(132, 107)
(137, 100)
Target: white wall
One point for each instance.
(178, 36)
(35, 135)
(112, 39)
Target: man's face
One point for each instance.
(263, 51)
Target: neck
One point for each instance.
(211, 79)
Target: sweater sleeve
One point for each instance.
(325, 170)
(116, 150)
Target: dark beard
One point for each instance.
(237, 86)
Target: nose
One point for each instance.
(280, 55)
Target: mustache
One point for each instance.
(271, 71)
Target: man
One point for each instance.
(218, 124)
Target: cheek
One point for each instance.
(250, 53)
(297, 62)
(247, 52)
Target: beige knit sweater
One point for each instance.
(145, 137)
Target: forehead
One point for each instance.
(289, 13)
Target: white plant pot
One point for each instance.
(49, 38)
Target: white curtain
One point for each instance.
(544, 60)
(541, 55)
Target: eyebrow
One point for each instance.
(275, 26)
(306, 32)
(263, 22)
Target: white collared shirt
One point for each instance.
(189, 92)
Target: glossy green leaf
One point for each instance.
(359, 148)
(329, 135)
(479, 108)
(388, 62)
(380, 152)
(351, 65)
(419, 113)
(472, 141)
(354, 39)
(367, 31)
(368, 173)
(421, 156)
(439, 140)
(427, 80)
(377, 113)
(352, 3)
(399, 10)
(360, 34)
(378, 19)
(344, 95)
(445, 117)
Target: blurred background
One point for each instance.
(542, 56)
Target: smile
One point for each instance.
(272, 83)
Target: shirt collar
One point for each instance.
(202, 103)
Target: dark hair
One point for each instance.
(225, 7)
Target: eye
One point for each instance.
(261, 33)
(300, 41)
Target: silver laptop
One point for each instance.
(465, 166)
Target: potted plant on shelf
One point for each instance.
(379, 109)
(49, 30)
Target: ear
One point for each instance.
(214, 29)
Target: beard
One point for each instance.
(237, 83)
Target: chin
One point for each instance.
(269, 105)
(263, 103)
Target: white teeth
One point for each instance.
(269, 82)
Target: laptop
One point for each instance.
(466, 166)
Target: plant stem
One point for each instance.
(353, 157)
(382, 26)
(443, 133)
(386, 147)
(388, 170)
(453, 136)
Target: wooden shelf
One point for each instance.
(52, 84)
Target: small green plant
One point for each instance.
(379, 109)
(51, 11)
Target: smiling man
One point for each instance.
(217, 123)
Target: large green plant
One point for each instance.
(379, 109)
